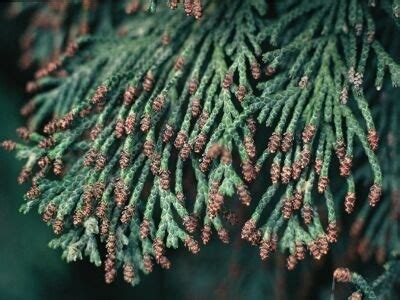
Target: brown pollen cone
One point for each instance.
(274, 142)
(206, 234)
(375, 194)
(349, 202)
(342, 275)
(373, 139)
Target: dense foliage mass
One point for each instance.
(145, 129)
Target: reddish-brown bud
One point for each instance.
(300, 251)
(349, 202)
(374, 195)
(179, 64)
(190, 223)
(203, 119)
(250, 147)
(33, 193)
(206, 234)
(58, 166)
(90, 157)
(101, 210)
(275, 173)
(9, 145)
(155, 163)
(148, 82)
(323, 184)
(144, 230)
(255, 70)
(159, 248)
(308, 133)
(77, 218)
(119, 128)
(145, 123)
(251, 124)
(50, 127)
(147, 263)
(168, 133)
(121, 193)
(267, 247)
(231, 217)
(226, 156)
(23, 175)
(342, 275)
(28, 108)
(164, 262)
(66, 121)
(340, 149)
(197, 10)
(181, 138)
(287, 208)
(196, 107)
(129, 125)
(356, 296)
(274, 142)
(130, 95)
(291, 262)
(99, 95)
(24, 133)
(185, 151)
(243, 194)
(314, 248)
(200, 142)
(104, 227)
(286, 174)
(124, 160)
(127, 214)
(297, 200)
(193, 84)
(205, 163)
(101, 162)
(58, 226)
(332, 232)
(287, 141)
(307, 214)
(164, 179)
(96, 130)
(318, 166)
(188, 7)
(215, 202)
(158, 103)
(241, 92)
(49, 212)
(305, 157)
(192, 245)
(248, 229)
(148, 148)
(223, 235)
(47, 143)
(373, 139)
(248, 171)
(345, 166)
(228, 80)
(323, 244)
(269, 71)
(128, 272)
